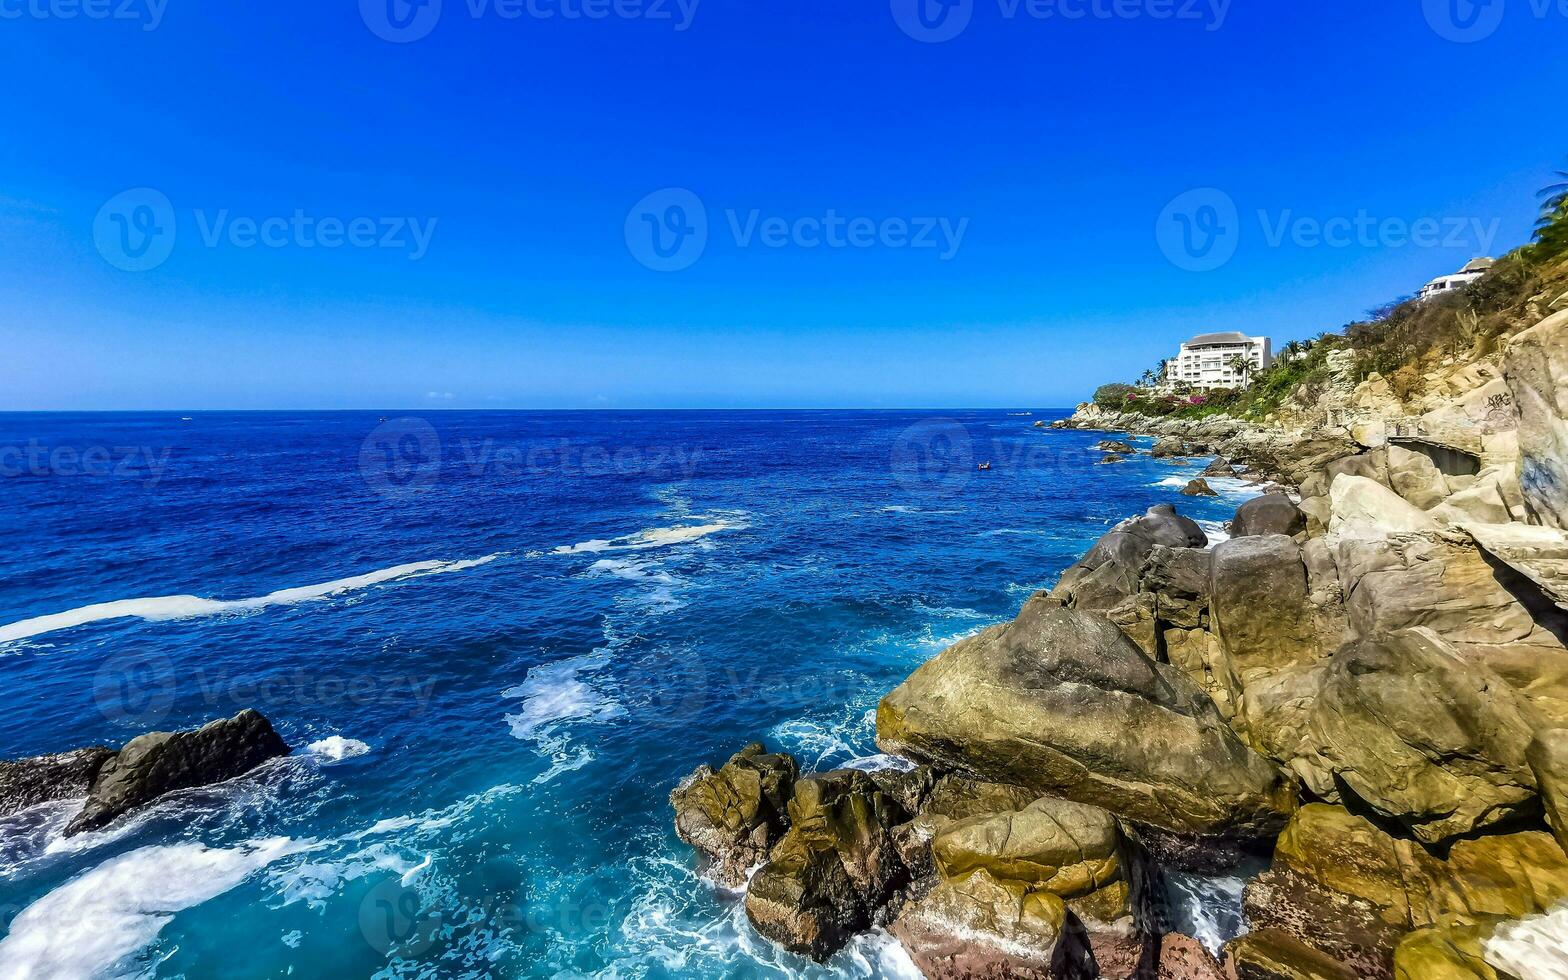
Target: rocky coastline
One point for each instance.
(1366, 686)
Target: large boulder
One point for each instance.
(157, 763)
(1068, 849)
(1416, 478)
(1272, 513)
(1364, 508)
(1443, 581)
(1482, 502)
(1220, 467)
(834, 868)
(1060, 701)
(1406, 727)
(1536, 368)
(1108, 573)
(979, 927)
(952, 799)
(1198, 488)
(736, 814)
(1168, 447)
(26, 783)
(1548, 759)
(1115, 446)
(1348, 889)
(1368, 466)
(1260, 605)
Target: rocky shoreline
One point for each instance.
(1369, 688)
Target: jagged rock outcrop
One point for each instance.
(1198, 488)
(152, 765)
(1405, 727)
(1351, 891)
(1115, 446)
(1366, 509)
(734, 815)
(1271, 513)
(1220, 467)
(833, 869)
(1415, 477)
(1260, 605)
(26, 783)
(1108, 573)
(1536, 369)
(1270, 954)
(1062, 702)
(1169, 448)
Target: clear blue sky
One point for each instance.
(1053, 143)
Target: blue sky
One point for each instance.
(1007, 190)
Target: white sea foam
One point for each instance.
(1535, 947)
(630, 571)
(880, 762)
(554, 697)
(336, 748)
(1207, 908)
(162, 608)
(93, 923)
(654, 537)
(1215, 531)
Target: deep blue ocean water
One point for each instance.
(497, 642)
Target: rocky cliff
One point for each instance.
(1370, 687)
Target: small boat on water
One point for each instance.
(984, 467)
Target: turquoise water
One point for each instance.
(497, 641)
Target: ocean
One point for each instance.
(497, 641)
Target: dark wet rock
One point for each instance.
(1169, 448)
(1220, 467)
(1060, 701)
(1115, 446)
(1269, 954)
(152, 765)
(1272, 513)
(1199, 488)
(835, 868)
(1111, 458)
(736, 814)
(1109, 572)
(26, 783)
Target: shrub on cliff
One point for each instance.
(1113, 397)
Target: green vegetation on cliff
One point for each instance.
(1404, 341)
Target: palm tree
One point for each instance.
(1551, 230)
(1242, 366)
(1147, 380)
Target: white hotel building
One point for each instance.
(1209, 360)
